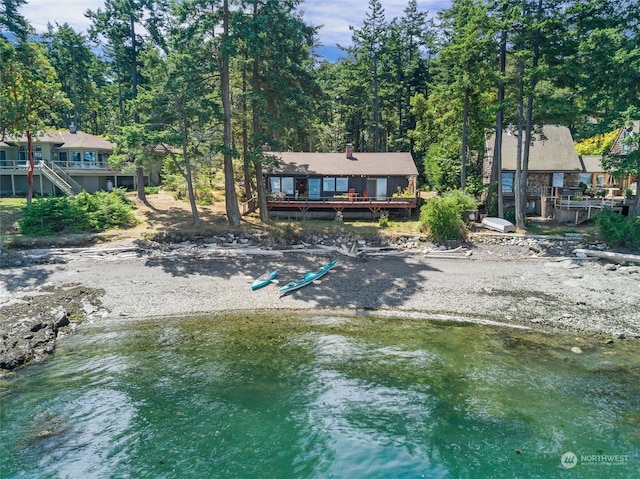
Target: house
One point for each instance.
(353, 184)
(66, 161)
(554, 165)
(597, 178)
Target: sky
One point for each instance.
(335, 16)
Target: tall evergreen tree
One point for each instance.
(82, 76)
(29, 94)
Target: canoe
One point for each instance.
(264, 279)
(307, 278)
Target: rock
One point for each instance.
(63, 321)
(576, 350)
(610, 267)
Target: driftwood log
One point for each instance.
(617, 257)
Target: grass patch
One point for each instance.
(549, 228)
(10, 212)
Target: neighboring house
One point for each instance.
(554, 165)
(317, 184)
(65, 162)
(619, 147)
(595, 177)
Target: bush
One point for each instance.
(383, 219)
(48, 216)
(84, 213)
(617, 230)
(443, 217)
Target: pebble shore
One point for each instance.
(526, 282)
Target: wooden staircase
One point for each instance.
(60, 178)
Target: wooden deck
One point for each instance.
(357, 204)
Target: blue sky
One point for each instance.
(335, 16)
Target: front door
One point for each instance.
(314, 188)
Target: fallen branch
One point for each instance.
(618, 257)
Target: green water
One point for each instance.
(321, 397)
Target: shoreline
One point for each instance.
(128, 281)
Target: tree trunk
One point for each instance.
(189, 178)
(31, 167)
(520, 182)
(376, 107)
(255, 128)
(463, 152)
(248, 193)
(140, 184)
(496, 170)
(231, 199)
(262, 193)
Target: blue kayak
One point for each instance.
(264, 279)
(307, 278)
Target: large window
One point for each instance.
(282, 185)
(507, 182)
(90, 157)
(342, 184)
(338, 185)
(23, 157)
(3, 158)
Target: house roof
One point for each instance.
(79, 140)
(592, 163)
(551, 151)
(324, 164)
(633, 129)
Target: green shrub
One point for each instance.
(150, 190)
(83, 213)
(383, 219)
(48, 216)
(443, 217)
(617, 230)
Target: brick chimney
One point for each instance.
(349, 151)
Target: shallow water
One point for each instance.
(322, 396)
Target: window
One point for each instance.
(585, 178)
(89, 156)
(287, 185)
(329, 184)
(282, 185)
(75, 156)
(342, 184)
(103, 159)
(23, 157)
(3, 158)
(558, 180)
(275, 184)
(507, 182)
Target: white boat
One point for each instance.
(498, 224)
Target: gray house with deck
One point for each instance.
(354, 184)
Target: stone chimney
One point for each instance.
(72, 128)
(349, 151)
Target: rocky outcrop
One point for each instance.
(30, 326)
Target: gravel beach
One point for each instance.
(512, 284)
